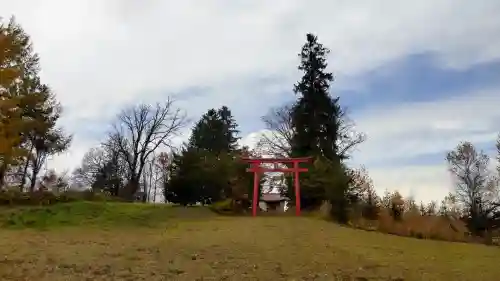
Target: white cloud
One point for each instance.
(99, 55)
(69, 160)
(423, 182)
(414, 129)
(95, 53)
(251, 139)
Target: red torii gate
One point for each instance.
(256, 169)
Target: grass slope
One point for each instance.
(193, 244)
(96, 214)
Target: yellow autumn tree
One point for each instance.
(11, 121)
(29, 109)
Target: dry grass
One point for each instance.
(236, 248)
(418, 226)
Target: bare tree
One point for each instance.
(140, 130)
(54, 182)
(450, 208)
(157, 172)
(475, 186)
(498, 155)
(93, 161)
(431, 208)
(163, 163)
(280, 132)
(277, 140)
(101, 169)
(148, 177)
(348, 137)
(152, 176)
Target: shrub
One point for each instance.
(224, 207)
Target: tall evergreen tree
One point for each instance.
(316, 120)
(215, 132)
(204, 169)
(315, 116)
(229, 131)
(184, 184)
(205, 135)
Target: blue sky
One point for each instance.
(417, 76)
(418, 79)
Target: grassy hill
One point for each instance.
(97, 214)
(119, 241)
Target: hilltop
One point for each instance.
(120, 241)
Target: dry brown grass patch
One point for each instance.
(417, 226)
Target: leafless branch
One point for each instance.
(141, 129)
(476, 187)
(498, 154)
(93, 161)
(349, 138)
(277, 139)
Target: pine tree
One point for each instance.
(184, 185)
(205, 170)
(229, 129)
(215, 132)
(205, 134)
(316, 118)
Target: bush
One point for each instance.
(224, 207)
(14, 197)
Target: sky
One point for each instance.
(417, 77)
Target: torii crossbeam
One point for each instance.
(257, 169)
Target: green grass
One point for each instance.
(108, 241)
(95, 214)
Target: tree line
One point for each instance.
(138, 158)
(207, 168)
